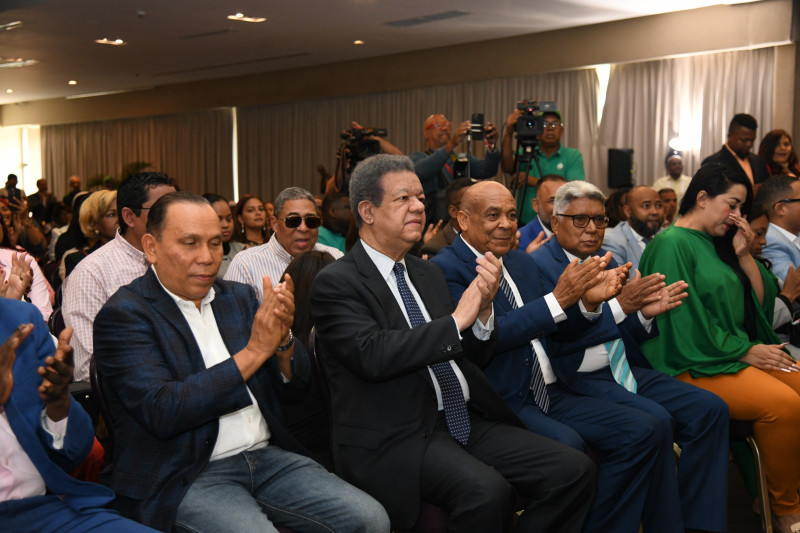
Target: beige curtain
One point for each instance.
(195, 149)
(692, 97)
(282, 144)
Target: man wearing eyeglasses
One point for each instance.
(295, 225)
(437, 166)
(780, 196)
(604, 361)
(554, 158)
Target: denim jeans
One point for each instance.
(256, 490)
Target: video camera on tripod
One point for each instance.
(531, 123)
(355, 148)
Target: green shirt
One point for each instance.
(705, 335)
(567, 162)
(330, 238)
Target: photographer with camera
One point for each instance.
(358, 144)
(551, 155)
(439, 165)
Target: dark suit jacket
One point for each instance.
(384, 403)
(757, 163)
(165, 405)
(510, 369)
(567, 346)
(24, 409)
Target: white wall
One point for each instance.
(21, 154)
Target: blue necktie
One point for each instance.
(538, 386)
(455, 407)
(619, 365)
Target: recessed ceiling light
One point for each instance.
(11, 62)
(9, 91)
(10, 26)
(72, 82)
(112, 42)
(358, 41)
(244, 18)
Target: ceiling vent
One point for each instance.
(425, 19)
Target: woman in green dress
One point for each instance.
(721, 338)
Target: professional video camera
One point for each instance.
(531, 124)
(357, 147)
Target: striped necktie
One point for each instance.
(538, 386)
(455, 406)
(619, 365)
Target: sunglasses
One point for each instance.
(294, 221)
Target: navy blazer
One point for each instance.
(529, 232)
(568, 344)
(164, 403)
(384, 402)
(24, 409)
(509, 370)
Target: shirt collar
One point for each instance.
(183, 303)
(275, 247)
(474, 251)
(130, 249)
(790, 236)
(382, 262)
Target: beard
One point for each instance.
(645, 228)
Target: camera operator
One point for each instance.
(438, 165)
(359, 143)
(553, 157)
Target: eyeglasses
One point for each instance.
(552, 125)
(294, 221)
(786, 201)
(437, 125)
(581, 221)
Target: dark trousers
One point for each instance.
(477, 484)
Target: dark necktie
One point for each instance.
(538, 386)
(455, 407)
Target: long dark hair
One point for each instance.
(303, 269)
(767, 150)
(6, 240)
(238, 234)
(716, 179)
(212, 199)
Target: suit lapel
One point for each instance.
(378, 287)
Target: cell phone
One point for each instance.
(476, 126)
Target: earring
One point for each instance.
(242, 230)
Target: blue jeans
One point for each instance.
(256, 490)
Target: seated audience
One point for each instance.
(669, 199)
(736, 152)
(73, 237)
(546, 189)
(117, 263)
(603, 361)
(250, 225)
(60, 219)
(444, 236)
(336, 219)
(781, 199)
(41, 203)
(44, 434)
(675, 178)
(191, 365)
(776, 149)
(645, 216)
(22, 231)
(99, 223)
(295, 226)
(74, 188)
(790, 287)
(721, 339)
(402, 362)
(39, 292)
(230, 247)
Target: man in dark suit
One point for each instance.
(414, 417)
(191, 365)
(604, 361)
(735, 153)
(44, 434)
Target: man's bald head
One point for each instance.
(488, 217)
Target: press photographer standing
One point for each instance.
(438, 165)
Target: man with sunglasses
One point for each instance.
(604, 361)
(780, 196)
(295, 225)
(437, 166)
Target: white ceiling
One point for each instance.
(172, 41)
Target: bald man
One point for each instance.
(438, 165)
(645, 216)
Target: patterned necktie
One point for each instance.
(619, 365)
(538, 386)
(455, 406)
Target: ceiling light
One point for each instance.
(358, 41)
(9, 91)
(72, 82)
(11, 62)
(10, 26)
(112, 42)
(243, 18)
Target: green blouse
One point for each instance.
(705, 335)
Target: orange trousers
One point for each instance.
(771, 399)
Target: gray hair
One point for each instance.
(292, 193)
(366, 184)
(573, 190)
